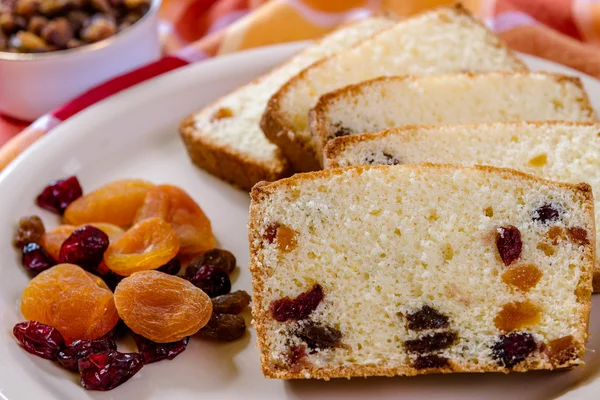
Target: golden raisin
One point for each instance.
(578, 235)
(546, 248)
(517, 315)
(524, 277)
(222, 113)
(555, 234)
(562, 350)
(161, 307)
(286, 239)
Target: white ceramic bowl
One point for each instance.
(33, 84)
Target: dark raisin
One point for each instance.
(271, 233)
(295, 354)
(318, 336)
(384, 159)
(430, 361)
(172, 267)
(299, 308)
(152, 351)
(213, 280)
(513, 348)
(57, 32)
(106, 371)
(232, 303)
(79, 349)
(39, 339)
(426, 318)
(217, 257)
(36, 259)
(508, 241)
(84, 247)
(223, 327)
(340, 130)
(578, 235)
(546, 213)
(30, 230)
(431, 342)
(59, 194)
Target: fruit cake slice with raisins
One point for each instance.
(412, 269)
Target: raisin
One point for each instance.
(70, 355)
(513, 348)
(508, 241)
(523, 277)
(382, 159)
(36, 259)
(84, 247)
(172, 267)
(286, 239)
(271, 232)
(431, 342)
(555, 234)
(546, 213)
(517, 315)
(295, 354)
(431, 361)
(223, 327)
(218, 258)
(30, 230)
(299, 308)
(318, 336)
(222, 113)
(214, 281)
(340, 130)
(232, 303)
(39, 339)
(578, 235)
(58, 195)
(152, 351)
(426, 318)
(562, 350)
(106, 371)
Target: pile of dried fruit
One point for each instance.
(129, 237)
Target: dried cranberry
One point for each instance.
(213, 280)
(318, 336)
(84, 247)
(271, 232)
(295, 354)
(59, 194)
(232, 303)
(432, 342)
(39, 339)
(36, 259)
(217, 257)
(79, 349)
(172, 267)
(430, 361)
(106, 371)
(546, 213)
(152, 351)
(30, 230)
(299, 308)
(508, 241)
(223, 327)
(426, 318)
(513, 348)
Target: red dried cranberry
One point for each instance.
(432, 342)
(508, 241)
(430, 361)
(318, 336)
(299, 308)
(217, 257)
(84, 247)
(59, 194)
(152, 351)
(79, 349)
(546, 213)
(36, 259)
(271, 233)
(295, 354)
(513, 348)
(106, 371)
(39, 339)
(172, 267)
(213, 280)
(426, 318)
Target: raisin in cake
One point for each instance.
(412, 269)
(556, 150)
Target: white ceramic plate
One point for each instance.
(134, 134)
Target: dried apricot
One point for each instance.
(149, 244)
(53, 240)
(185, 216)
(72, 300)
(161, 307)
(115, 203)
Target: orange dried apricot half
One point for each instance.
(72, 300)
(115, 203)
(185, 216)
(149, 244)
(161, 307)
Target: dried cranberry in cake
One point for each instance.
(232, 303)
(295, 354)
(431, 342)
(286, 309)
(271, 232)
(546, 213)
(561, 350)
(70, 355)
(172, 267)
(430, 361)
(106, 371)
(517, 315)
(30, 230)
(152, 351)
(523, 277)
(318, 336)
(508, 241)
(513, 348)
(84, 247)
(59, 194)
(217, 257)
(35, 258)
(214, 281)
(223, 327)
(578, 236)
(426, 318)
(39, 339)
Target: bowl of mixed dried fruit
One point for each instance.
(53, 50)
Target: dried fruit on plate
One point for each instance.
(59, 194)
(106, 371)
(30, 230)
(70, 355)
(53, 240)
(152, 351)
(187, 218)
(72, 300)
(84, 247)
(39, 339)
(115, 203)
(35, 259)
(149, 244)
(160, 307)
